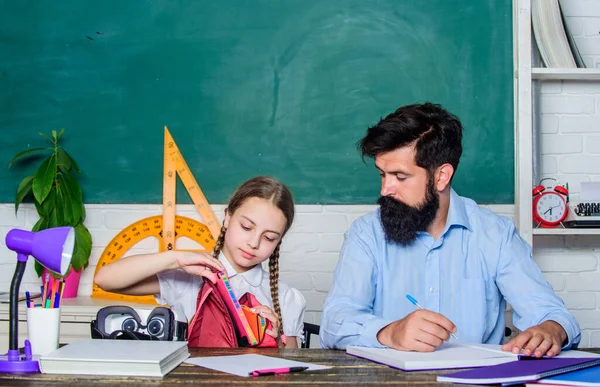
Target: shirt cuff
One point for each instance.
(368, 338)
(572, 342)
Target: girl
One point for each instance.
(257, 217)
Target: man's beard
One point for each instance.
(401, 222)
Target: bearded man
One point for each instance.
(461, 262)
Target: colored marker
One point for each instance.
(63, 283)
(28, 297)
(54, 292)
(415, 303)
(56, 299)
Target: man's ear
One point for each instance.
(443, 176)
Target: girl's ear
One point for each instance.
(227, 218)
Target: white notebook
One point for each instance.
(115, 357)
(449, 355)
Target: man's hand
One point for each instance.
(545, 339)
(421, 331)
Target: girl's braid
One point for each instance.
(274, 283)
(219, 244)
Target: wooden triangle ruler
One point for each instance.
(168, 227)
(174, 165)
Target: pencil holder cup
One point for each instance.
(43, 329)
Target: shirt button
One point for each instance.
(431, 289)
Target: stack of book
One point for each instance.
(115, 357)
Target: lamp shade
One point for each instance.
(52, 247)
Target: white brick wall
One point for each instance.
(583, 18)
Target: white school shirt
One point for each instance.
(179, 290)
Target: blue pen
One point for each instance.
(28, 297)
(415, 303)
(56, 300)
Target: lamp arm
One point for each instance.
(14, 304)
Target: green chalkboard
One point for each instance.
(250, 87)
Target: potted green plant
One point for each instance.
(58, 199)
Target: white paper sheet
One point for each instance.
(242, 365)
(590, 191)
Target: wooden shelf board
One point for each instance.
(566, 74)
(566, 231)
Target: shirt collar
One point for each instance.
(457, 213)
(253, 276)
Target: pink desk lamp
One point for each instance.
(53, 249)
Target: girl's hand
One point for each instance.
(200, 264)
(268, 313)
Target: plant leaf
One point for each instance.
(23, 190)
(54, 134)
(71, 201)
(75, 197)
(63, 161)
(45, 135)
(53, 220)
(45, 209)
(59, 208)
(65, 202)
(41, 224)
(25, 153)
(83, 247)
(39, 208)
(62, 130)
(72, 162)
(39, 269)
(74, 188)
(44, 179)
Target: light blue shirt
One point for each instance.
(478, 263)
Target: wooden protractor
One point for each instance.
(140, 230)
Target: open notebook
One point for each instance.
(115, 357)
(449, 355)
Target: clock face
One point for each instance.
(551, 207)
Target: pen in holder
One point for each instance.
(43, 329)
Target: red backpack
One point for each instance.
(213, 326)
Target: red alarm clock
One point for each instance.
(550, 206)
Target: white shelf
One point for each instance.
(565, 74)
(566, 231)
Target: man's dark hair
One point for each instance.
(435, 133)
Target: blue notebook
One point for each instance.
(523, 370)
(584, 377)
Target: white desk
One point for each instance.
(75, 315)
